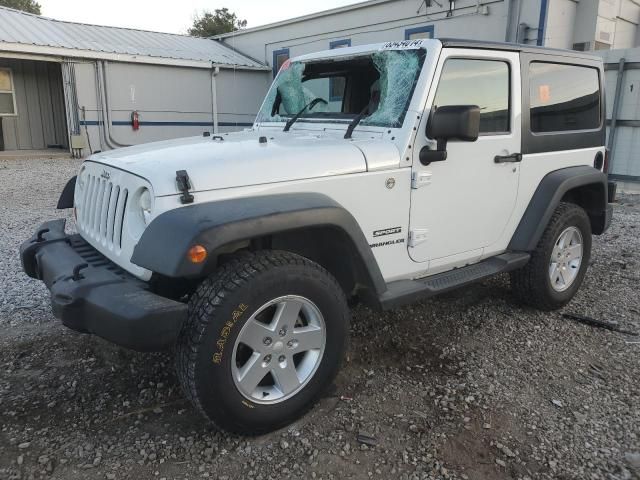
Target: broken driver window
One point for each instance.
(381, 84)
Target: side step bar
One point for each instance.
(402, 292)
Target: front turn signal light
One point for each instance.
(197, 254)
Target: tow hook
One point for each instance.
(77, 276)
(40, 233)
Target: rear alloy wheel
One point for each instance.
(558, 264)
(566, 259)
(265, 336)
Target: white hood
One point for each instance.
(240, 159)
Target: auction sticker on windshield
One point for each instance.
(403, 45)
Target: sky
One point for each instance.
(176, 16)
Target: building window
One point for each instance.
(279, 57)
(477, 82)
(563, 97)
(418, 32)
(337, 84)
(7, 93)
(340, 43)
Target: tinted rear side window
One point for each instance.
(563, 97)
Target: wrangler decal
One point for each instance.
(384, 244)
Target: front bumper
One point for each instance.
(90, 294)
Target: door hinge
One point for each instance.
(418, 236)
(420, 179)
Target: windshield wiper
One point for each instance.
(354, 123)
(295, 118)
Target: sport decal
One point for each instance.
(387, 231)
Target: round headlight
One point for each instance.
(145, 205)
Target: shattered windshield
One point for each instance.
(380, 84)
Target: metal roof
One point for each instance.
(25, 29)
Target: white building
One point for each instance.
(569, 24)
(88, 88)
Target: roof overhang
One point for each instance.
(58, 54)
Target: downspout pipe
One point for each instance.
(214, 99)
(512, 33)
(100, 109)
(611, 143)
(107, 125)
(544, 7)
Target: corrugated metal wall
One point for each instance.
(171, 102)
(625, 161)
(40, 122)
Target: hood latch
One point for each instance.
(184, 184)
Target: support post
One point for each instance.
(611, 143)
(214, 99)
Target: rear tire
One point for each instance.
(265, 336)
(558, 264)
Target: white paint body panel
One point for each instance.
(364, 195)
(470, 198)
(380, 154)
(533, 169)
(238, 160)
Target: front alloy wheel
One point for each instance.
(265, 336)
(279, 349)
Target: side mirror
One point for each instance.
(452, 122)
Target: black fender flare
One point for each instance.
(165, 242)
(68, 192)
(552, 188)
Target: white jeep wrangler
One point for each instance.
(385, 173)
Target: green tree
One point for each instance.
(25, 5)
(208, 24)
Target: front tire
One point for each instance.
(265, 336)
(558, 264)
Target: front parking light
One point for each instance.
(197, 254)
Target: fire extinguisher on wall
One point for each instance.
(135, 120)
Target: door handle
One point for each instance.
(513, 158)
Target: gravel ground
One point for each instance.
(467, 386)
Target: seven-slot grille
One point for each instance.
(102, 210)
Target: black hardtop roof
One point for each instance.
(515, 47)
